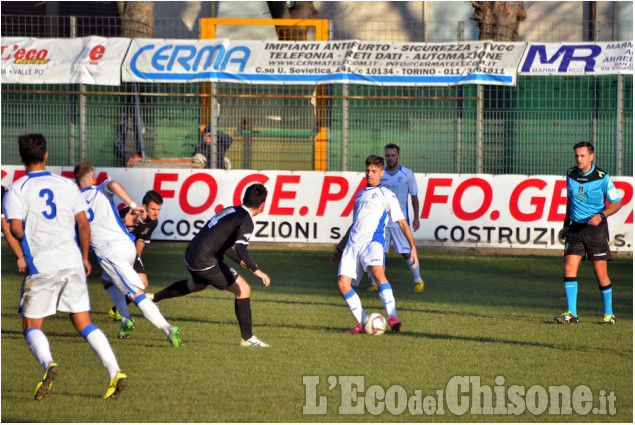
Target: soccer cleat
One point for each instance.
(173, 336)
(566, 317)
(608, 320)
(373, 288)
(395, 325)
(252, 342)
(116, 385)
(358, 329)
(419, 286)
(126, 329)
(114, 314)
(150, 296)
(44, 386)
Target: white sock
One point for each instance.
(39, 346)
(416, 274)
(101, 347)
(388, 299)
(355, 305)
(151, 312)
(119, 300)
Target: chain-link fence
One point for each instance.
(526, 129)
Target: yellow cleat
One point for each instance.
(419, 286)
(44, 386)
(116, 385)
(114, 315)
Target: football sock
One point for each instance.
(355, 305)
(101, 347)
(607, 298)
(388, 299)
(39, 346)
(242, 307)
(151, 312)
(571, 289)
(177, 289)
(119, 299)
(416, 275)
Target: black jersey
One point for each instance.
(143, 230)
(232, 226)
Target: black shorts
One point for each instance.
(138, 266)
(220, 276)
(589, 242)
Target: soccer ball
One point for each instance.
(375, 324)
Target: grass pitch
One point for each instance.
(484, 317)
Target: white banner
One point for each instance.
(472, 211)
(88, 60)
(578, 58)
(297, 62)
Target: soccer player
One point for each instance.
(231, 227)
(141, 227)
(14, 244)
(585, 229)
(364, 251)
(401, 181)
(43, 210)
(115, 250)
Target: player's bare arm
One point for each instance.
(610, 210)
(415, 208)
(119, 190)
(83, 231)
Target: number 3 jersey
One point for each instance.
(107, 232)
(46, 204)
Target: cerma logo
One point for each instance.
(187, 62)
(537, 55)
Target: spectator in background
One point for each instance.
(204, 148)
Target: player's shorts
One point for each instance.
(220, 276)
(43, 294)
(591, 242)
(397, 237)
(357, 258)
(119, 271)
(138, 266)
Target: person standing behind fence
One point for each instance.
(585, 229)
(43, 210)
(223, 142)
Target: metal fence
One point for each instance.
(526, 129)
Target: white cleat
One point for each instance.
(253, 342)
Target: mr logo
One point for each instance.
(566, 54)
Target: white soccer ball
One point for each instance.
(375, 324)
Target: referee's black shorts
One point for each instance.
(589, 242)
(220, 276)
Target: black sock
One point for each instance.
(177, 289)
(243, 314)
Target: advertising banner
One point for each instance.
(87, 60)
(297, 62)
(577, 58)
(456, 210)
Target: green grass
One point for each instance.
(483, 316)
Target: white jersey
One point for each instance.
(46, 204)
(373, 207)
(107, 232)
(403, 184)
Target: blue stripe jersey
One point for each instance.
(587, 193)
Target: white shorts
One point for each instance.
(397, 237)
(357, 258)
(118, 270)
(43, 294)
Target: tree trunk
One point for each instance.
(297, 10)
(498, 20)
(137, 18)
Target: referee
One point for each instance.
(585, 229)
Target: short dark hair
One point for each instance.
(81, 170)
(152, 196)
(587, 145)
(32, 148)
(391, 146)
(375, 160)
(255, 195)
